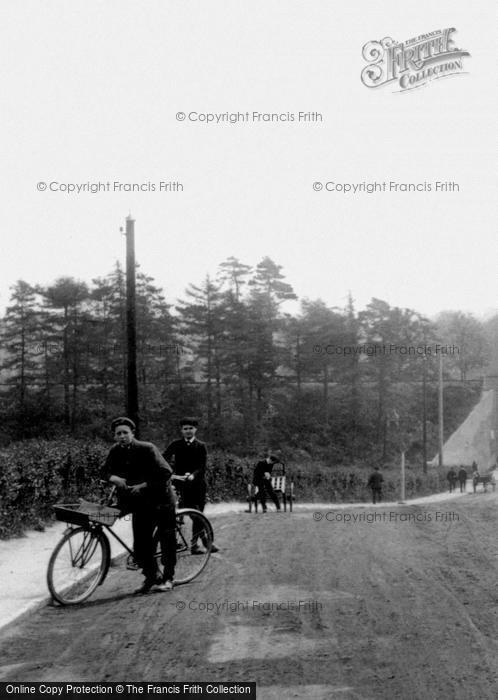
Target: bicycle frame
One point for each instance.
(81, 559)
(101, 527)
(96, 527)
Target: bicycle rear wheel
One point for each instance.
(193, 531)
(78, 564)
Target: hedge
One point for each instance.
(37, 473)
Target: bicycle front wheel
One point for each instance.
(78, 564)
(194, 539)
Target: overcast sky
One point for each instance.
(90, 93)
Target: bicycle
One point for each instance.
(81, 559)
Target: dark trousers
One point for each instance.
(193, 495)
(265, 488)
(463, 485)
(144, 522)
(376, 495)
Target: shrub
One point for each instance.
(35, 474)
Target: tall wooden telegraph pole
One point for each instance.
(131, 325)
(441, 412)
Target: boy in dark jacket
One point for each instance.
(188, 455)
(142, 479)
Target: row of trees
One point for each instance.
(338, 382)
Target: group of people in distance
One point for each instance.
(486, 479)
(376, 480)
(452, 477)
(142, 477)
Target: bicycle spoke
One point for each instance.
(192, 530)
(85, 551)
(194, 533)
(77, 565)
(181, 541)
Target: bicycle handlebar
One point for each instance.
(112, 492)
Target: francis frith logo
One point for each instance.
(412, 63)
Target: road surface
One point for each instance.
(307, 605)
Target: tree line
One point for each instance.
(341, 384)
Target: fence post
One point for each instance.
(402, 477)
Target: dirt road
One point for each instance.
(306, 607)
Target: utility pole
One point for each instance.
(131, 326)
(424, 413)
(441, 427)
(396, 421)
(424, 325)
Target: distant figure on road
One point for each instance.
(475, 475)
(452, 479)
(375, 483)
(262, 480)
(462, 478)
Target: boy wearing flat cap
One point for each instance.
(189, 457)
(142, 480)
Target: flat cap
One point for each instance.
(122, 420)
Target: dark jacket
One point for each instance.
(260, 469)
(187, 457)
(140, 462)
(375, 481)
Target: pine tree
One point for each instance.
(465, 335)
(107, 343)
(64, 302)
(201, 326)
(352, 371)
(392, 331)
(21, 341)
(324, 333)
(157, 347)
(268, 292)
(232, 273)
